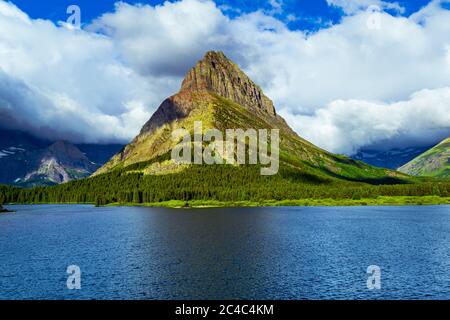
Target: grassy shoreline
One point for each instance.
(180, 204)
(379, 201)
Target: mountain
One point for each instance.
(390, 159)
(29, 161)
(15, 148)
(219, 94)
(432, 163)
(58, 163)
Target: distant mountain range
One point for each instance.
(432, 163)
(391, 159)
(29, 161)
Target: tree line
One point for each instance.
(222, 183)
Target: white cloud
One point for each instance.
(67, 83)
(167, 39)
(354, 6)
(11, 11)
(277, 6)
(345, 126)
(342, 81)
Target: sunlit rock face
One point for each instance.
(217, 74)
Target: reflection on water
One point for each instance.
(245, 253)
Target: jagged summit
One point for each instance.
(216, 73)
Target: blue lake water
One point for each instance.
(245, 253)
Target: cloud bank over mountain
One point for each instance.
(371, 78)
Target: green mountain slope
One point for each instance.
(433, 163)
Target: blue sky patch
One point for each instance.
(307, 15)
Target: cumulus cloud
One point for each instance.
(68, 84)
(167, 39)
(342, 81)
(347, 125)
(353, 6)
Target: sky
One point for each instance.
(345, 74)
(309, 14)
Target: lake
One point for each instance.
(240, 253)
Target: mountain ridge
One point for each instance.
(27, 161)
(58, 163)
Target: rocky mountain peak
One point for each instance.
(216, 73)
(58, 163)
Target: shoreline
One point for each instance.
(381, 201)
(4, 210)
